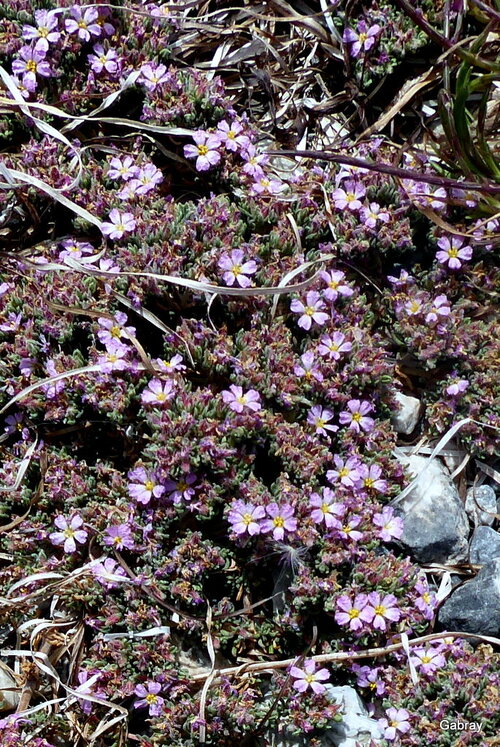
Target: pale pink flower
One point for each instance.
(119, 536)
(236, 269)
(153, 76)
(205, 151)
(440, 307)
(347, 529)
(349, 196)
(415, 306)
(332, 346)
(282, 520)
(46, 30)
(428, 660)
(84, 24)
(325, 510)
(352, 613)
(371, 478)
(148, 178)
(158, 392)
(231, 135)
(30, 63)
(309, 677)
(382, 610)
(237, 401)
(362, 40)
(335, 285)
(148, 698)
(70, 533)
(172, 366)
(182, 489)
(245, 518)
(457, 386)
(122, 168)
(356, 416)
(347, 471)
(254, 162)
(368, 677)
(311, 311)
(144, 485)
(118, 224)
(74, 249)
(373, 215)
(453, 252)
(109, 573)
(320, 418)
(115, 359)
(112, 330)
(396, 721)
(390, 526)
(265, 185)
(103, 60)
(307, 369)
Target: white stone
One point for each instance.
(9, 698)
(356, 727)
(481, 505)
(405, 419)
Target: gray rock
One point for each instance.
(405, 419)
(356, 728)
(484, 546)
(436, 528)
(475, 606)
(481, 505)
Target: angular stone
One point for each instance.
(484, 546)
(475, 606)
(405, 419)
(436, 528)
(481, 505)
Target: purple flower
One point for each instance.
(426, 602)
(244, 517)
(254, 162)
(414, 306)
(181, 489)
(158, 392)
(31, 62)
(428, 660)
(205, 151)
(356, 416)
(397, 721)
(310, 311)
(74, 249)
(320, 417)
(362, 40)
(453, 252)
(325, 509)
(122, 169)
(440, 307)
(347, 472)
(153, 76)
(382, 610)
(309, 677)
(45, 32)
(103, 60)
(372, 215)
(237, 401)
(148, 698)
(144, 485)
(265, 185)
(231, 137)
(349, 197)
(370, 478)
(335, 285)
(53, 389)
(115, 358)
(70, 533)
(119, 536)
(331, 346)
(352, 613)
(118, 225)
(281, 520)
(235, 269)
(148, 177)
(84, 24)
(170, 367)
(347, 530)
(307, 370)
(109, 573)
(13, 322)
(457, 386)
(368, 677)
(390, 526)
(112, 330)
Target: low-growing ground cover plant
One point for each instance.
(202, 340)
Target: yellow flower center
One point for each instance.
(369, 482)
(380, 610)
(309, 678)
(426, 659)
(325, 508)
(161, 396)
(103, 59)
(333, 284)
(414, 307)
(343, 472)
(231, 134)
(69, 533)
(362, 38)
(112, 358)
(117, 540)
(356, 416)
(452, 253)
(319, 422)
(278, 521)
(350, 197)
(241, 400)
(347, 529)
(43, 31)
(202, 150)
(182, 485)
(426, 597)
(265, 182)
(115, 330)
(31, 66)
(236, 269)
(309, 310)
(151, 698)
(149, 485)
(353, 613)
(247, 519)
(82, 24)
(121, 227)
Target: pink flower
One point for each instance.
(307, 370)
(414, 306)
(144, 485)
(103, 60)
(426, 602)
(453, 252)
(281, 520)
(428, 660)
(440, 307)
(237, 401)
(309, 676)
(158, 392)
(205, 151)
(31, 62)
(370, 478)
(332, 346)
(350, 196)
(116, 358)
(352, 613)
(310, 311)
(119, 536)
(368, 677)
(264, 185)
(363, 40)
(122, 169)
(118, 225)
(148, 177)
(148, 698)
(153, 76)
(320, 417)
(109, 573)
(45, 32)
(70, 533)
(112, 330)
(335, 285)
(181, 489)
(254, 162)
(244, 517)
(84, 24)
(356, 416)
(457, 386)
(235, 269)
(325, 509)
(170, 367)
(74, 249)
(347, 530)
(390, 526)
(382, 610)
(397, 721)
(347, 472)
(231, 137)
(372, 215)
